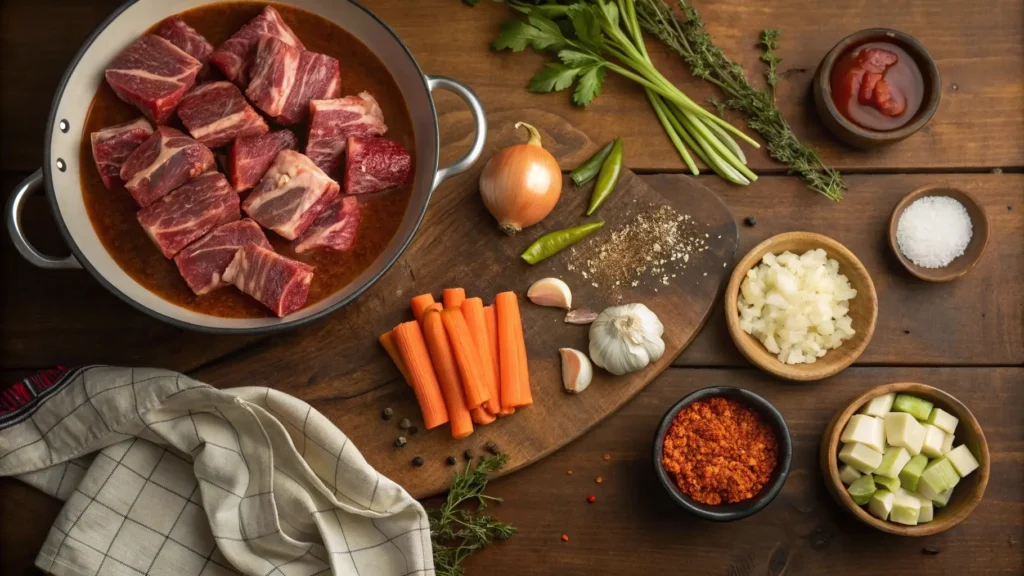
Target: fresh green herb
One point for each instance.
(458, 532)
(691, 41)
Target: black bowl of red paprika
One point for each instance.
(877, 87)
(723, 453)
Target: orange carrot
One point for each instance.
(481, 416)
(387, 340)
(473, 312)
(466, 356)
(420, 304)
(413, 350)
(447, 374)
(525, 394)
(435, 306)
(453, 297)
(511, 364)
(492, 337)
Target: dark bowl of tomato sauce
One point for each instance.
(877, 87)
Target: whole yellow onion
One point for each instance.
(520, 185)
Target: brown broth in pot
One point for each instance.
(112, 212)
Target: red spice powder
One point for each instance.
(719, 451)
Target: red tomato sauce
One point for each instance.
(877, 86)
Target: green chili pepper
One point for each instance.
(554, 242)
(585, 172)
(608, 178)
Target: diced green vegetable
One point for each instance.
(916, 407)
(848, 474)
(940, 500)
(962, 460)
(894, 459)
(881, 503)
(911, 473)
(867, 430)
(927, 510)
(890, 484)
(933, 439)
(906, 509)
(862, 457)
(862, 489)
(938, 476)
(947, 444)
(902, 429)
(879, 406)
(944, 420)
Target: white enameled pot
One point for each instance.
(60, 172)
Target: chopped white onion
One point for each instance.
(797, 306)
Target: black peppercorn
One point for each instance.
(413, 429)
(491, 447)
(750, 221)
(450, 460)
(404, 424)
(468, 454)
(400, 442)
(417, 461)
(387, 414)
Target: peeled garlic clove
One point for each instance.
(576, 370)
(550, 292)
(580, 316)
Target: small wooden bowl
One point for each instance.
(968, 492)
(971, 255)
(863, 308)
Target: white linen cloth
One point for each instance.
(163, 475)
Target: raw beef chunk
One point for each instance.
(375, 164)
(234, 56)
(153, 75)
(203, 262)
(285, 79)
(177, 32)
(217, 113)
(291, 195)
(165, 161)
(111, 147)
(333, 121)
(250, 156)
(186, 214)
(335, 229)
(280, 283)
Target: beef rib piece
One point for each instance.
(333, 121)
(285, 79)
(280, 283)
(335, 229)
(153, 75)
(184, 215)
(250, 156)
(291, 195)
(163, 162)
(203, 262)
(177, 32)
(375, 164)
(111, 146)
(216, 113)
(234, 56)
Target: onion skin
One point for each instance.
(521, 184)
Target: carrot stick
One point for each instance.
(467, 357)
(473, 312)
(387, 340)
(453, 297)
(420, 304)
(481, 416)
(525, 394)
(447, 374)
(506, 307)
(492, 337)
(413, 350)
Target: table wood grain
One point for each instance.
(966, 337)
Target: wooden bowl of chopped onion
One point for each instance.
(801, 306)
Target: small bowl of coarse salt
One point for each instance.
(938, 233)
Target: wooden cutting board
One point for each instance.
(338, 367)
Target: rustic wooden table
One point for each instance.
(966, 337)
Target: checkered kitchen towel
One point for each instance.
(163, 475)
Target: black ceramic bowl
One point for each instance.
(739, 510)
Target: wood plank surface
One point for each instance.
(978, 123)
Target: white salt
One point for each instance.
(933, 231)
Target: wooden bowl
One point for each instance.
(863, 308)
(972, 254)
(968, 492)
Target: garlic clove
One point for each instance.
(580, 316)
(576, 370)
(550, 292)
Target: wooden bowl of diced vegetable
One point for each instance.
(907, 459)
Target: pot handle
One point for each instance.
(14, 206)
(470, 97)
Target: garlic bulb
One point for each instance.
(626, 338)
